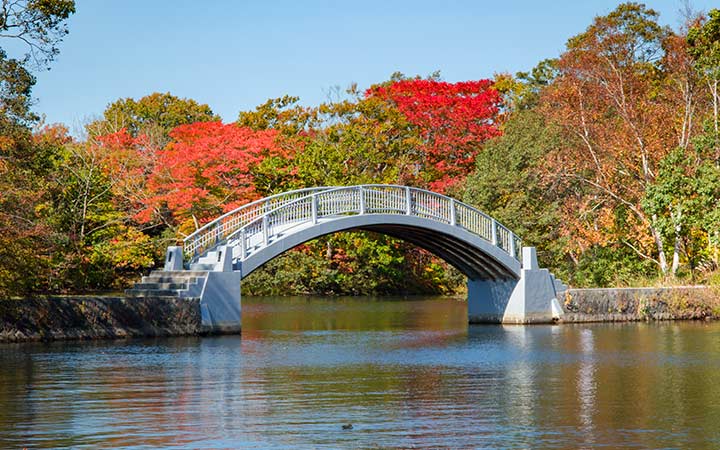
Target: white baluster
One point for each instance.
(408, 201)
(314, 208)
(265, 230)
(243, 245)
(362, 200)
(452, 212)
(494, 235)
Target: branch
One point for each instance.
(641, 254)
(630, 205)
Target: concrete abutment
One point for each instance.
(531, 299)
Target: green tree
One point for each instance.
(15, 95)
(27, 161)
(154, 116)
(523, 90)
(685, 198)
(283, 114)
(508, 185)
(39, 24)
(27, 240)
(364, 140)
(97, 243)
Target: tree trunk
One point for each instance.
(677, 220)
(676, 252)
(715, 101)
(662, 260)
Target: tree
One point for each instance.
(681, 87)
(606, 98)
(40, 24)
(508, 185)
(283, 114)
(363, 140)
(153, 116)
(26, 237)
(453, 120)
(522, 91)
(101, 247)
(26, 161)
(207, 169)
(685, 198)
(15, 95)
(704, 43)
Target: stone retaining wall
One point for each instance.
(635, 304)
(80, 317)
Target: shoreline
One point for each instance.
(93, 317)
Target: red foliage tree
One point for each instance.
(208, 168)
(453, 120)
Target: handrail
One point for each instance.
(255, 202)
(372, 199)
(190, 242)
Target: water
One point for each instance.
(407, 374)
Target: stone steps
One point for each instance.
(170, 279)
(169, 284)
(162, 285)
(203, 266)
(559, 286)
(180, 273)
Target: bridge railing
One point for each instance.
(220, 229)
(258, 223)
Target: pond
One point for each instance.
(370, 373)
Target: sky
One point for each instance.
(234, 55)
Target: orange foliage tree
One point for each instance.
(621, 98)
(207, 169)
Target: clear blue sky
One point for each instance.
(233, 55)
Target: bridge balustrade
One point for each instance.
(256, 224)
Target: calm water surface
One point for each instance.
(406, 374)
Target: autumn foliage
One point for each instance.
(207, 169)
(607, 159)
(453, 121)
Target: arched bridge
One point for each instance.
(214, 259)
(465, 237)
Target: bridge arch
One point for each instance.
(474, 257)
(468, 239)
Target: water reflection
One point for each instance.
(405, 373)
(586, 385)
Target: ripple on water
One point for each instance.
(403, 373)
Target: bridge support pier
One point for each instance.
(220, 305)
(531, 299)
(220, 300)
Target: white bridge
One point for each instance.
(504, 282)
